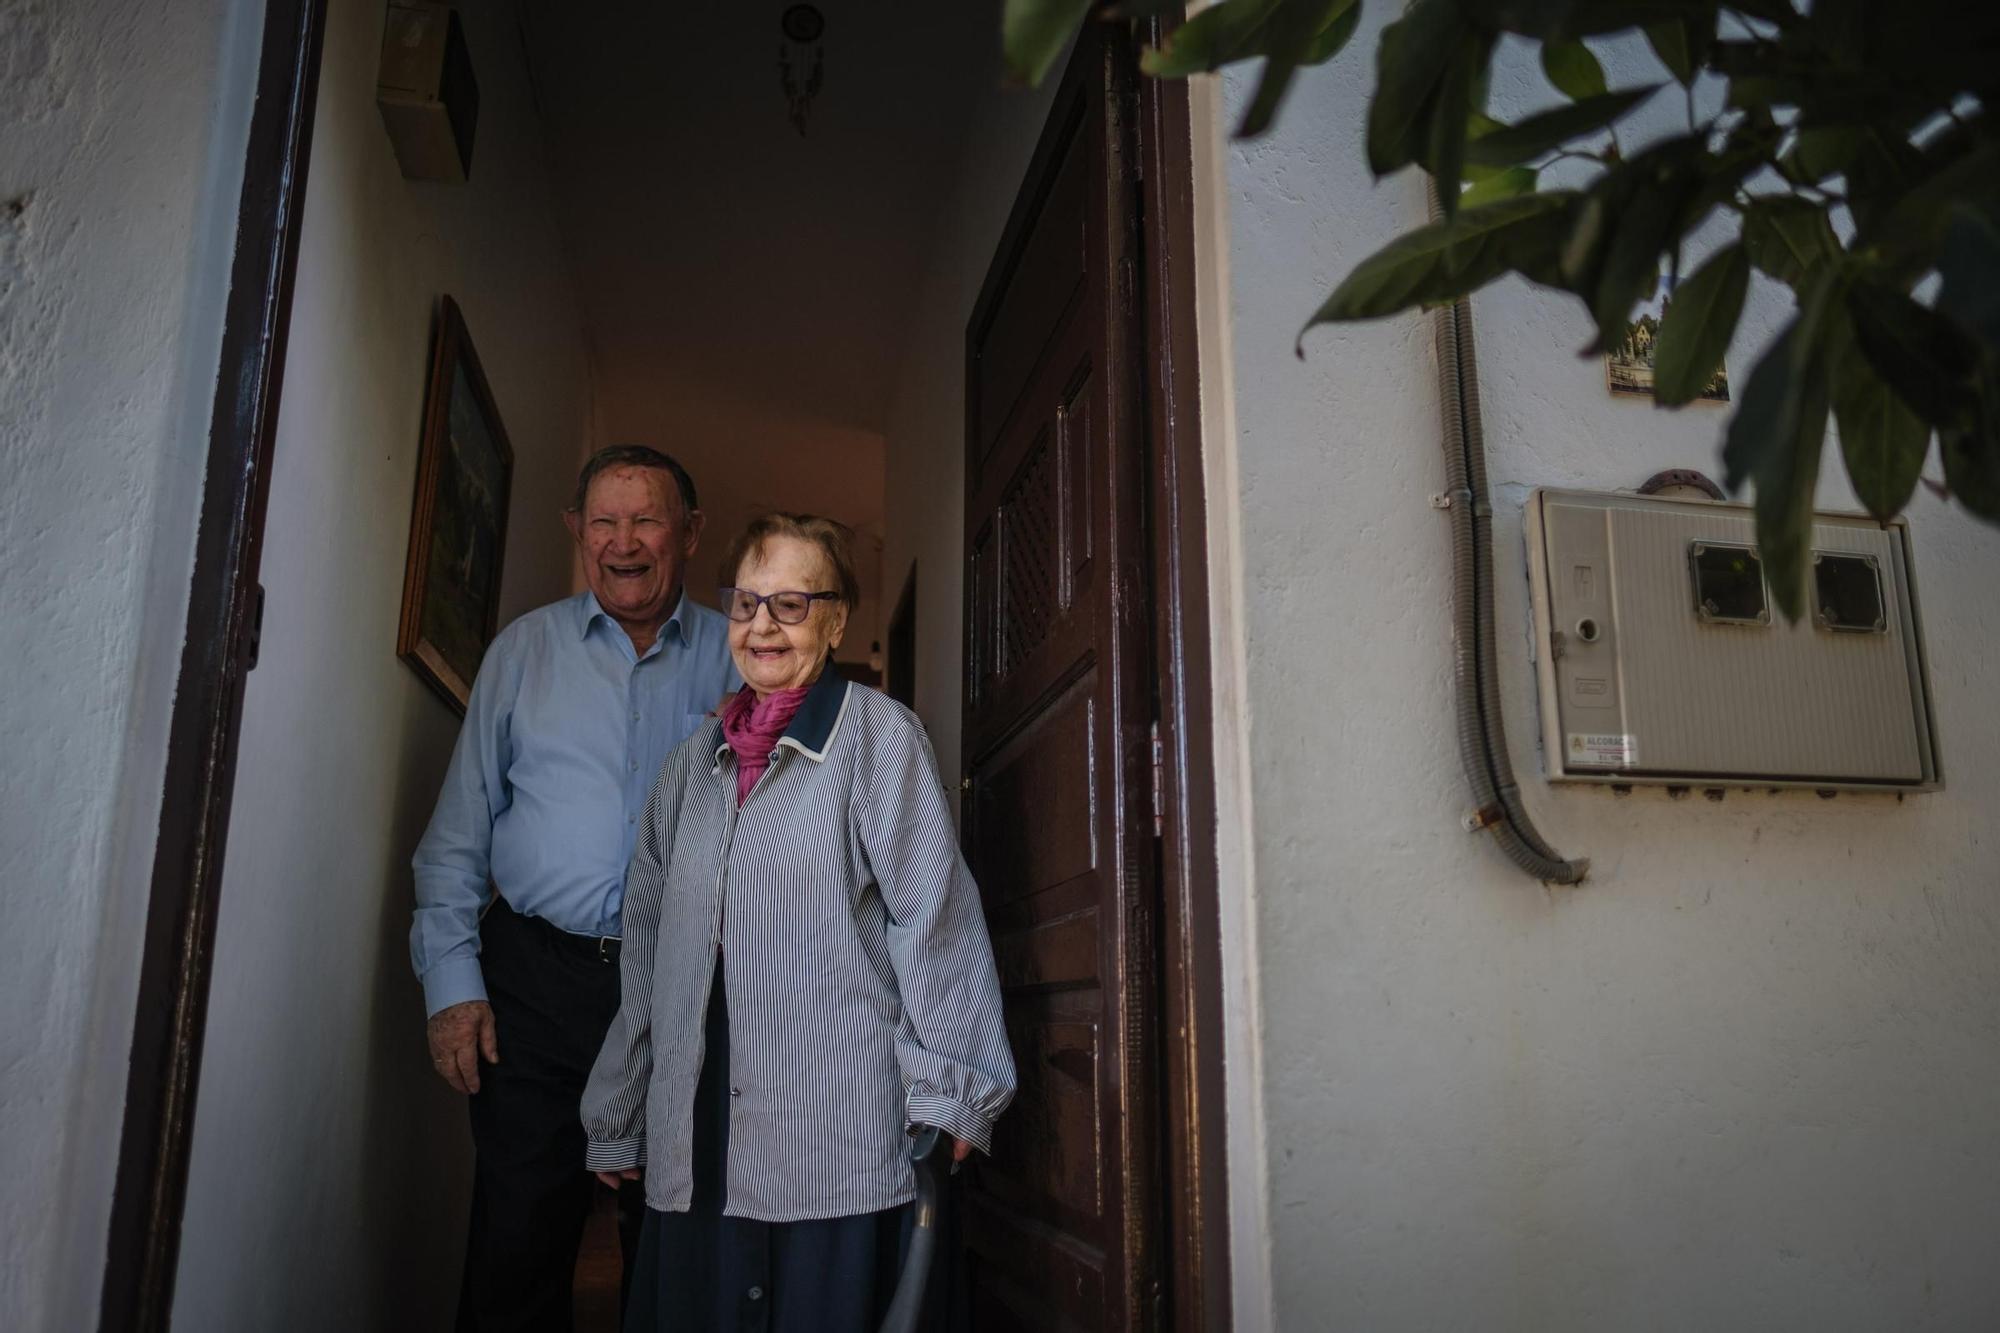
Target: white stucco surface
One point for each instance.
(331, 1168)
(1747, 1076)
(122, 130)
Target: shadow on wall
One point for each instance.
(416, 1148)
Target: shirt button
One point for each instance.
(635, 765)
(756, 1293)
(736, 1092)
(635, 717)
(631, 819)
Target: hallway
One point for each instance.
(648, 249)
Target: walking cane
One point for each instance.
(929, 1151)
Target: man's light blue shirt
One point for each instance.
(566, 730)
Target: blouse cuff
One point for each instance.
(954, 1118)
(614, 1154)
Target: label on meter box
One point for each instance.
(1603, 749)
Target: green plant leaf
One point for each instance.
(1446, 260)
(1450, 116)
(1552, 129)
(1776, 440)
(1219, 35)
(1924, 356)
(1821, 152)
(1413, 56)
(1883, 441)
(1970, 267)
(1788, 237)
(1272, 85)
(1635, 211)
(1573, 70)
(1505, 183)
(1698, 324)
(1033, 34)
(1670, 42)
(1972, 470)
(1343, 17)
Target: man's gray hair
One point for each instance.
(632, 455)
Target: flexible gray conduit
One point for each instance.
(1482, 734)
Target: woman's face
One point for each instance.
(771, 656)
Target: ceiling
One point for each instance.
(745, 287)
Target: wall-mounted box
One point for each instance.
(1662, 658)
(427, 94)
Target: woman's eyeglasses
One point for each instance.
(787, 608)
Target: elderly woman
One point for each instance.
(806, 977)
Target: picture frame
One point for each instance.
(458, 521)
(1628, 367)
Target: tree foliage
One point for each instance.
(1855, 157)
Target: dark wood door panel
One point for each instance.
(1061, 1226)
(1033, 590)
(1046, 1158)
(1049, 766)
(1027, 1276)
(1060, 953)
(1045, 281)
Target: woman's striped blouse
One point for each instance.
(860, 981)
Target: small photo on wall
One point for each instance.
(1628, 367)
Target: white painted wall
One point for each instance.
(122, 131)
(925, 473)
(1748, 1076)
(331, 1169)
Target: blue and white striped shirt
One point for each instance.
(861, 986)
(565, 732)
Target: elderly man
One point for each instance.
(521, 874)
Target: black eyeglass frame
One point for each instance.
(728, 597)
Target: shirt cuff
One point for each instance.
(614, 1154)
(954, 1118)
(453, 981)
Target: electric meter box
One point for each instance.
(1663, 659)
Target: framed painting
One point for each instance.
(1628, 367)
(458, 526)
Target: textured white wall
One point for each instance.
(122, 130)
(925, 473)
(331, 1168)
(1747, 1077)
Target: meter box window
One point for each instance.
(1662, 656)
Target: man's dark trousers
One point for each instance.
(553, 995)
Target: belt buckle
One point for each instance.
(604, 943)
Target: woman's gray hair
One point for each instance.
(834, 539)
(632, 455)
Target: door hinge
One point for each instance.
(253, 630)
(1159, 783)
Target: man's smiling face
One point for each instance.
(636, 539)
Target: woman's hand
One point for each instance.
(611, 1178)
(960, 1150)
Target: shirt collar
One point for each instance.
(817, 722)
(589, 613)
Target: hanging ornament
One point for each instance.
(800, 60)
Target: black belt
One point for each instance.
(602, 948)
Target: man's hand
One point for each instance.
(459, 1036)
(611, 1178)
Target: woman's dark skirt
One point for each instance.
(702, 1272)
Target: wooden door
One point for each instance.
(1061, 1224)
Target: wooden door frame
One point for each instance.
(1190, 984)
(224, 609)
(1192, 1148)
(150, 1188)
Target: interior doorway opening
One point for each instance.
(776, 277)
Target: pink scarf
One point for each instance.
(752, 727)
